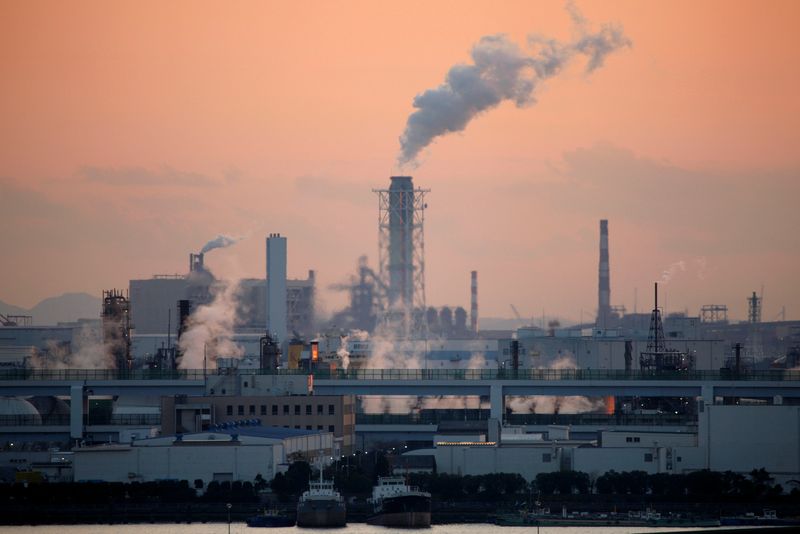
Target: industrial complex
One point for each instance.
(191, 377)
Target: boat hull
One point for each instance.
(321, 514)
(270, 522)
(401, 519)
(405, 511)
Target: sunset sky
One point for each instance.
(133, 132)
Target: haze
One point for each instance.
(133, 132)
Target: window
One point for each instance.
(245, 383)
(229, 410)
(240, 409)
(285, 409)
(331, 409)
(274, 409)
(629, 439)
(636, 440)
(308, 427)
(308, 409)
(263, 409)
(648, 457)
(297, 427)
(252, 410)
(680, 459)
(320, 409)
(546, 457)
(319, 427)
(330, 428)
(297, 409)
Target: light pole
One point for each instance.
(229, 506)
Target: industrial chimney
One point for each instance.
(473, 311)
(276, 288)
(604, 286)
(196, 263)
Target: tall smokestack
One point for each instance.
(276, 287)
(401, 246)
(604, 287)
(473, 311)
(196, 262)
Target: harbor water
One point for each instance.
(355, 528)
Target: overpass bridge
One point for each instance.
(492, 383)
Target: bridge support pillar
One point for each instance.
(497, 401)
(76, 412)
(704, 404)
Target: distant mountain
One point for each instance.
(65, 308)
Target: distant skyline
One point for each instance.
(132, 133)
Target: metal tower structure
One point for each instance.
(116, 323)
(714, 313)
(401, 242)
(657, 357)
(753, 347)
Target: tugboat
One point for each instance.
(321, 506)
(396, 504)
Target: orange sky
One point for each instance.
(133, 132)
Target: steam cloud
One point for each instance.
(89, 352)
(210, 329)
(221, 241)
(501, 71)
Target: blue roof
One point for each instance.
(273, 432)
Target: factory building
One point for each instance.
(321, 413)
(154, 301)
(221, 455)
(728, 438)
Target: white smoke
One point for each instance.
(221, 241)
(500, 71)
(549, 404)
(343, 353)
(89, 352)
(674, 268)
(209, 332)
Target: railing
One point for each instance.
(432, 417)
(771, 375)
(91, 419)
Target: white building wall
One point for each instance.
(743, 438)
(184, 462)
(597, 461)
(620, 438)
(527, 461)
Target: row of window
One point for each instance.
(263, 409)
(634, 439)
(309, 427)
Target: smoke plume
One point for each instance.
(501, 71)
(221, 241)
(89, 352)
(210, 329)
(548, 404)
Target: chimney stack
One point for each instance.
(196, 263)
(276, 288)
(604, 287)
(473, 312)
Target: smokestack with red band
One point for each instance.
(473, 312)
(604, 287)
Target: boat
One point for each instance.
(647, 518)
(271, 518)
(396, 504)
(321, 506)
(769, 519)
